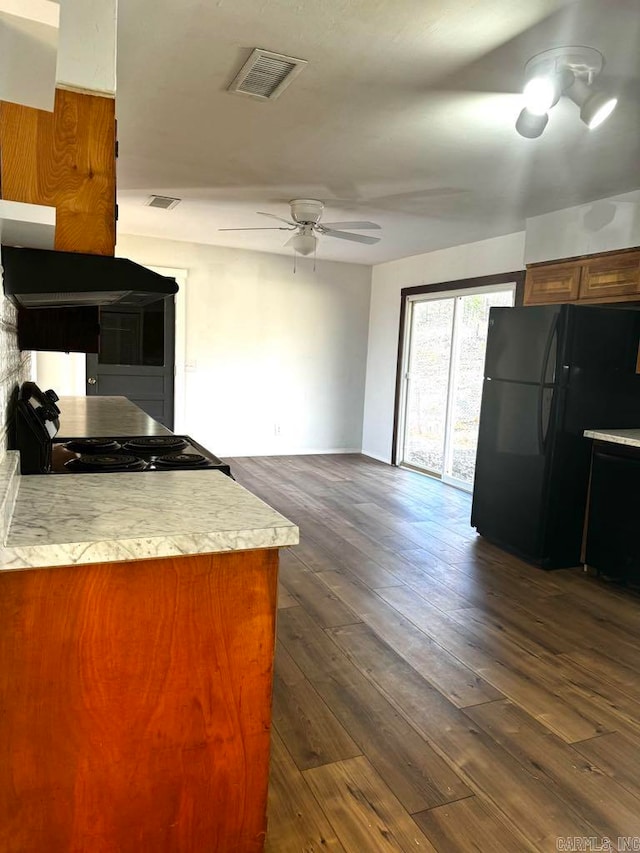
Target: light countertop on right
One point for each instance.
(629, 437)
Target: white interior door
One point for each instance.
(443, 369)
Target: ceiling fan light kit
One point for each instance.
(567, 71)
(303, 244)
(305, 221)
(305, 210)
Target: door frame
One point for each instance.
(445, 290)
(180, 344)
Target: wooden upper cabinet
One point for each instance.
(65, 159)
(611, 276)
(552, 283)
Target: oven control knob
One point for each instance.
(47, 413)
(52, 399)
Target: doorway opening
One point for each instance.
(443, 351)
(147, 367)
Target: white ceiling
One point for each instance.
(405, 115)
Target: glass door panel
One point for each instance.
(444, 372)
(470, 343)
(427, 384)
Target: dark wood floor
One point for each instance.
(431, 691)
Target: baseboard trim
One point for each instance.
(292, 451)
(375, 456)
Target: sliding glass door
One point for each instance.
(444, 349)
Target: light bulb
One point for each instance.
(600, 112)
(304, 244)
(540, 94)
(530, 125)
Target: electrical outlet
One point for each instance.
(276, 429)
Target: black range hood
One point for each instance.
(40, 278)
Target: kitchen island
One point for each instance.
(137, 621)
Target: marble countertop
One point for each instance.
(55, 520)
(93, 417)
(630, 437)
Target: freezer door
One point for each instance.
(515, 445)
(603, 341)
(523, 344)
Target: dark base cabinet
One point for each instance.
(613, 536)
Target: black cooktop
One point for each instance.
(110, 454)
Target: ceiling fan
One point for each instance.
(305, 221)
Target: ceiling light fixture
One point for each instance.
(304, 244)
(567, 71)
(595, 107)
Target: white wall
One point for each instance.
(65, 372)
(87, 47)
(28, 48)
(267, 349)
(600, 226)
(501, 254)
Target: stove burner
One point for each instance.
(115, 462)
(181, 460)
(92, 445)
(155, 444)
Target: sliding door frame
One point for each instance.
(445, 289)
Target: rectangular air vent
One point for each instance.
(164, 202)
(266, 75)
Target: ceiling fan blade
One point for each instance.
(357, 226)
(356, 238)
(273, 216)
(273, 228)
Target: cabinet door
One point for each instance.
(65, 159)
(615, 275)
(613, 546)
(552, 283)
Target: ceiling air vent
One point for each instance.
(164, 202)
(266, 75)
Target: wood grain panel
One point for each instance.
(494, 655)
(612, 810)
(312, 733)
(364, 810)
(564, 645)
(135, 705)
(22, 131)
(531, 809)
(303, 584)
(617, 275)
(455, 680)
(297, 824)
(468, 824)
(65, 159)
(552, 283)
(416, 774)
(615, 754)
(285, 599)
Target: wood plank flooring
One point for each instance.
(433, 692)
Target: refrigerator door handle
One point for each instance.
(553, 332)
(542, 430)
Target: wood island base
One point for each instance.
(135, 705)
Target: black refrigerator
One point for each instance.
(551, 372)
